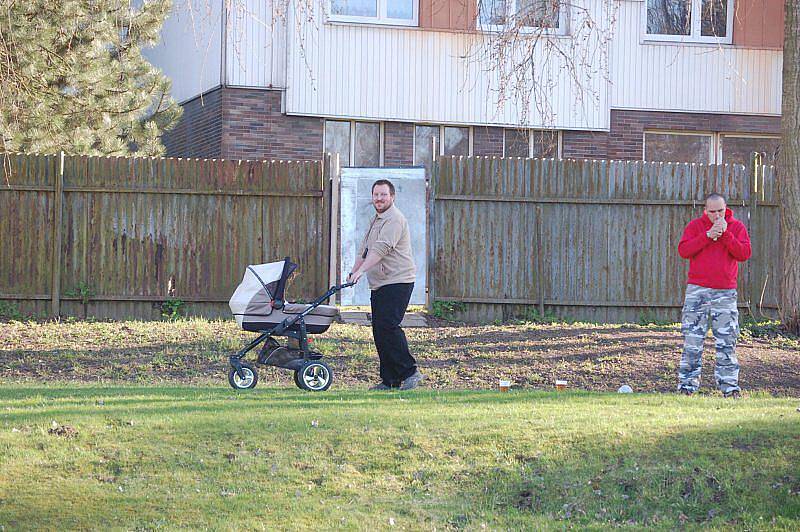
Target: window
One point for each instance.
(530, 143)
(363, 150)
(545, 14)
(337, 140)
(544, 144)
(368, 144)
(677, 20)
(736, 149)
(391, 12)
(710, 148)
(678, 147)
(457, 141)
(516, 143)
(423, 144)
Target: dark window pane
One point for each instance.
(739, 150)
(422, 144)
(715, 18)
(368, 144)
(456, 141)
(669, 17)
(493, 12)
(545, 144)
(668, 147)
(538, 13)
(517, 143)
(337, 140)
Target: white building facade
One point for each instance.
(376, 80)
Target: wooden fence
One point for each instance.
(592, 240)
(116, 237)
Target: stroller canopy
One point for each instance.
(261, 290)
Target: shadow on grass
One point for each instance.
(735, 472)
(743, 475)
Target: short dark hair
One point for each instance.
(715, 196)
(383, 182)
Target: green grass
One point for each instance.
(278, 458)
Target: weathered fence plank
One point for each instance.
(135, 232)
(605, 244)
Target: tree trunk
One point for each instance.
(789, 170)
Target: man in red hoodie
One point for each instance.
(715, 244)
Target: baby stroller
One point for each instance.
(258, 306)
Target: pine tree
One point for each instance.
(73, 78)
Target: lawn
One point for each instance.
(131, 425)
(97, 457)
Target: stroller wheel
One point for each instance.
(297, 381)
(250, 377)
(314, 376)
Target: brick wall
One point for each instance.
(248, 124)
(199, 131)
(584, 144)
(254, 128)
(487, 141)
(625, 140)
(398, 144)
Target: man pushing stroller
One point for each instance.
(385, 256)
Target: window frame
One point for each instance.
(496, 28)
(439, 143)
(712, 148)
(352, 145)
(380, 19)
(721, 136)
(531, 134)
(696, 28)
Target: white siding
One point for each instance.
(256, 47)
(390, 73)
(189, 52)
(689, 77)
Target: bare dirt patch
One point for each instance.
(455, 356)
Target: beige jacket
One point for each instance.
(389, 238)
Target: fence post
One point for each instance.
(539, 260)
(333, 181)
(431, 225)
(58, 208)
(752, 213)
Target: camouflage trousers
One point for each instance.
(720, 306)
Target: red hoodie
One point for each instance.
(714, 264)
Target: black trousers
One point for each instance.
(389, 304)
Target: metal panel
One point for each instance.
(190, 49)
(256, 47)
(357, 212)
(690, 77)
(390, 73)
